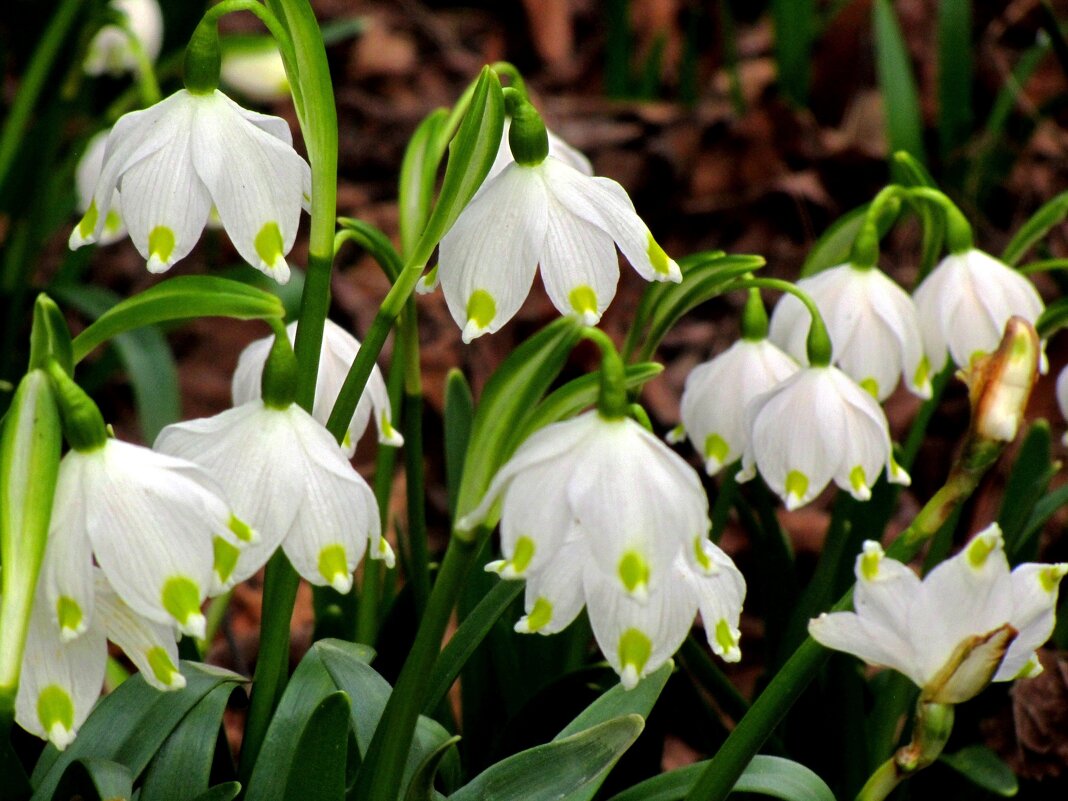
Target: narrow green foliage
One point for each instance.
(1050, 214)
(319, 760)
(795, 30)
(901, 104)
(954, 75)
(983, 768)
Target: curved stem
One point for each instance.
(865, 251)
(612, 400)
(819, 341)
(270, 22)
(146, 73)
(959, 237)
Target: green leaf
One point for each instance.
(1053, 318)
(983, 768)
(954, 75)
(50, 337)
(767, 775)
(1027, 484)
(178, 298)
(617, 702)
(227, 791)
(471, 155)
(417, 176)
(129, 725)
(374, 242)
(509, 395)
(422, 785)
(95, 780)
(932, 222)
(901, 104)
(459, 415)
(1049, 215)
(1040, 514)
(795, 29)
(319, 760)
(146, 355)
(549, 772)
(182, 766)
(836, 243)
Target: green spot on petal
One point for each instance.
(979, 549)
(112, 223)
(871, 386)
(69, 614)
(869, 564)
(225, 558)
(481, 308)
(703, 559)
(268, 244)
(857, 479)
(388, 431)
(633, 571)
(162, 666)
(716, 448)
(541, 615)
(583, 300)
(725, 638)
(88, 222)
(1051, 577)
(634, 650)
(55, 706)
(923, 373)
(161, 243)
(333, 564)
(240, 528)
(657, 257)
(1030, 669)
(524, 552)
(181, 599)
(796, 484)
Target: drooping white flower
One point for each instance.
(552, 214)
(967, 623)
(110, 50)
(86, 174)
(717, 392)
(873, 325)
(1062, 398)
(600, 513)
(558, 149)
(965, 302)
(149, 521)
(338, 353)
(816, 426)
(62, 677)
(285, 476)
(173, 162)
(254, 67)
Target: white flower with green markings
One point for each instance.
(600, 513)
(815, 427)
(873, 325)
(287, 477)
(965, 302)
(338, 353)
(86, 174)
(970, 621)
(558, 149)
(173, 162)
(149, 521)
(111, 50)
(62, 677)
(717, 392)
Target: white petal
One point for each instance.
(65, 585)
(554, 594)
(788, 327)
(866, 444)
(535, 513)
(1034, 602)
(494, 248)
(853, 634)
(720, 593)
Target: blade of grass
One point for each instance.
(954, 75)
(901, 103)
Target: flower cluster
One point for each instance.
(599, 513)
(970, 621)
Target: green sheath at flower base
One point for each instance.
(527, 137)
(754, 317)
(279, 373)
(203, 59)
(83, 425)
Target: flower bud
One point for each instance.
(1000, 383)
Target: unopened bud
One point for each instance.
(999, 384)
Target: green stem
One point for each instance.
(415, 491)
(697, 662)
(18, 116)
(271, 21)
(719, 777)
(383, 765)
(612, 401)
(819, 341)
(146, 73)
(865, 252)
(959, 236)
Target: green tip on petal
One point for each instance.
(481, 309)
(716, 450)
(269, 248)
(164, 669)
(70, 617)
(701, 555)
(583, 301)
(1030, 669)
(112, 223)
(539, 617)
(858, 483)
(382, 552)
(796, 488)
(242, 530)
(726, 642)
(225, 559)
(663, 266)
(922, 377)
(1050, 577)
(634, 650)
(871, 386)
(160, 248)
(55, 710)
(181, 599)
(334, 568)
(524, 552)
(980, 548)
(634, 573)
(870, 560)
(88, 222)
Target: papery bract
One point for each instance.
(172, 162)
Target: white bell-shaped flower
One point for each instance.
(873, 325)
(600, 513)
(254, 67)
(173, 162)
(286, 476)
(814, 427)
(967, 623)
(965, 302)
(549, 214)
(149, 521)
(1062, 398)
(110, 50)
(717, 392)
(61, 677)
(86, 174)
(338, 353)
(558, 149)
